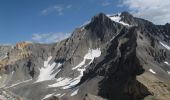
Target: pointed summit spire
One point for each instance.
(126, 14)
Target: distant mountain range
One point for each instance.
(113, 57)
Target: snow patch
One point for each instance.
(4, 56)
(74, 92)
(166, 46)
(166, 63)
(48, 60)
(47, 96)
(59, 79)
(152, 71)
(67, 83)
(57, 95)
(117, 18)
(92, 53)
(46, 72)
(168, 72)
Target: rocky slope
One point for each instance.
(116, 57)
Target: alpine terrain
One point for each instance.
(113, 57)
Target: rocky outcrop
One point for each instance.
(7, 95)
(116, 57)
(119, 68)
(22, 45)
(12, 54)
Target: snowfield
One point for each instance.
(46, 72)
(117, 18)
(67, 83)
(90, 55)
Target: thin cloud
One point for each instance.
(156, 11)
(105, 3)
(49, 37)
(59, 9)
(69, 6)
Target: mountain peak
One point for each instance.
(126, 14)
(99, 20)
(124, 18)
(99, 14)
(108, 58)
(121, 18)
(101, 17)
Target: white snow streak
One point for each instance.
(166, 63)
(92, 53)
(46, 72)
(168, 72)
(47, 96)
(19, 83)
(166, 46)
(152, 71)
(74, 92)
(117, 18)
(59, 79)
(67, 83)
(48, 60)
(57, 95)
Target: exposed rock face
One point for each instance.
(22, 45)
(6, 95)
(113, 57)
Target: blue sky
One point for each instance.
(49, 20)
(20, 20)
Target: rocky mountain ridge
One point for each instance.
(118, 57)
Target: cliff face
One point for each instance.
(12, 54)
(116, 57)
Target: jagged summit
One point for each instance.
(99, 16)
(123, 18)
(118, 57)
(118, 18)
(100, 19)
(126, 15)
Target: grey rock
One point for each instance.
(126, 54)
